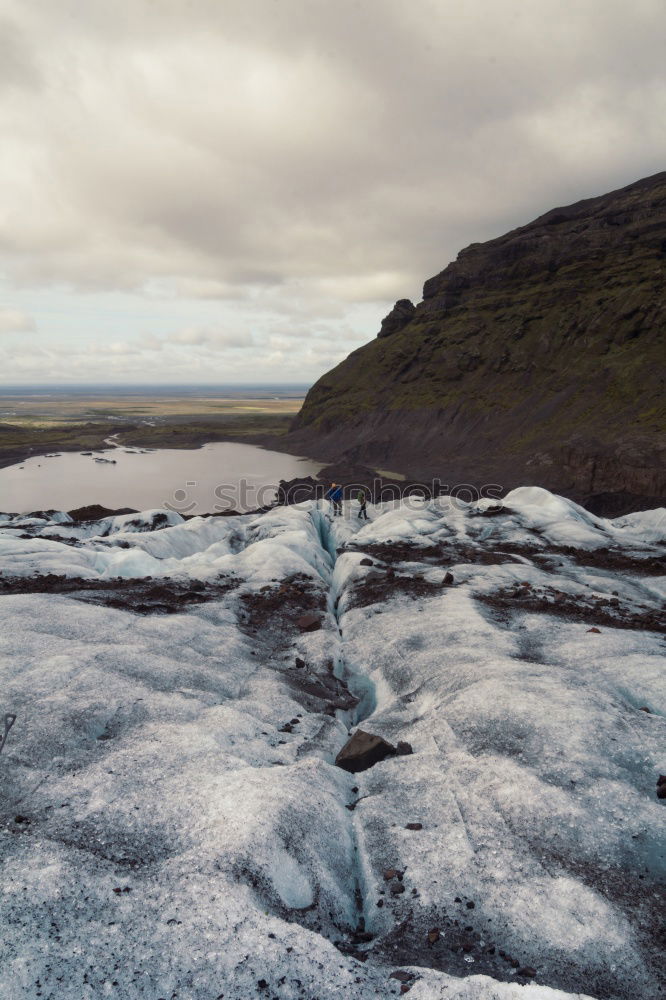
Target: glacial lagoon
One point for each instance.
(218, 476)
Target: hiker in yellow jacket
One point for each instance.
(362, 498)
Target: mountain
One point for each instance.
(533, 358)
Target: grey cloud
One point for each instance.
(301, 159)
(18, 67)
(301, 140)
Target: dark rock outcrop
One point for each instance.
(403, 312)
(95, 512)
(535, 358)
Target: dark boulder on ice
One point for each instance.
(362, 751)
(309, 623)
(402, 975)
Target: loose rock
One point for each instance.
(309, 623)
(362, 751)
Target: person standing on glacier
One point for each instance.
(362, 498)
(335, 496)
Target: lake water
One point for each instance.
(218, 476)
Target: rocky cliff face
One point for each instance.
(534, 358)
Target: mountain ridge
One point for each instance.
(535, 357)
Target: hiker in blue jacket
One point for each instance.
(335, 496)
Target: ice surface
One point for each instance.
(145, 521)
(172, 823)
(648, 525)
(255, 549)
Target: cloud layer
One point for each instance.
(298, 162)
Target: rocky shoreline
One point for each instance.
(350, 474)
(381, 487)
(168, 433)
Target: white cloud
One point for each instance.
(210, 338)
(15, 321)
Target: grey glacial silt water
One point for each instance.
(218, 476)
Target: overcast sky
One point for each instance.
(238, 190)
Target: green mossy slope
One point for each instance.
(534, 353)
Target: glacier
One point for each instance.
(173, 824)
